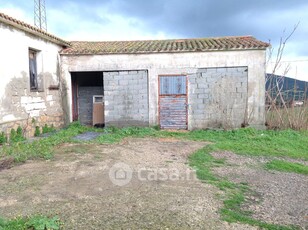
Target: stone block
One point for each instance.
(124, 73)
(123, 82)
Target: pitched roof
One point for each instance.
(31, 29)
(165, 46)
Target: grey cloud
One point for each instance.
(208, 18)
(204, 18)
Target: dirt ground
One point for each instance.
(162, 193)
(277, 197)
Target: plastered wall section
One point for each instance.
(19, 105)
(176, 63)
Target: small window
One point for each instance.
(33, 70)
(172, 85)
(98, 99)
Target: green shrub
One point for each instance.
(19, 131)
(37, 131)
(13, 135)
(16, 135)
(48, 129)
(156, 127)
(3, 138)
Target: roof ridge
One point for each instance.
(31, 29)
(166, 46)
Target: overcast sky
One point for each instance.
(267, 20)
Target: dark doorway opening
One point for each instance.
(87, 97)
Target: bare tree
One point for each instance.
(280, 110)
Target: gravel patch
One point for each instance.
(279, 198)
(87, 136)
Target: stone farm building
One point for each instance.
(177, 84)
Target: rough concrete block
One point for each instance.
(205, 74)
(211, 70)
(144, 72)
(241, 89)
(136, 87)
(143, 91)
(204, 96)
(193, 98)
(142, 111)
(198, 100)
(201, 106)
(123, 82)
(191, 80)
(199, 116)
(201, 71)
(202, 85)
(124, 72)
(200, 90)
(221, 70)
(211, 80)
(133, 82)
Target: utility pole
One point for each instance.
(40, 14)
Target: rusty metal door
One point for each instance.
(173, 102)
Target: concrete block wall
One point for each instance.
(126, 98)
(217, 97)
(85, 103)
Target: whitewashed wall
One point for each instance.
(18, 104)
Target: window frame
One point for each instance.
(33, 76)
(172, 91)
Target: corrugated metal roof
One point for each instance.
(165, 46)
(32, 30)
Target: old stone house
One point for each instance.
(30, 92)
(178, 84)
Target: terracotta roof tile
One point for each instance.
(165, 46)
(31, 29)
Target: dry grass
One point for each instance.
(288, 118)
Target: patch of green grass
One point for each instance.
(288, 143)
(43, 148)
(48, 129)
(286, 166)
(114, 135)
(203, 162)
(248, 141)
(37, 222)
